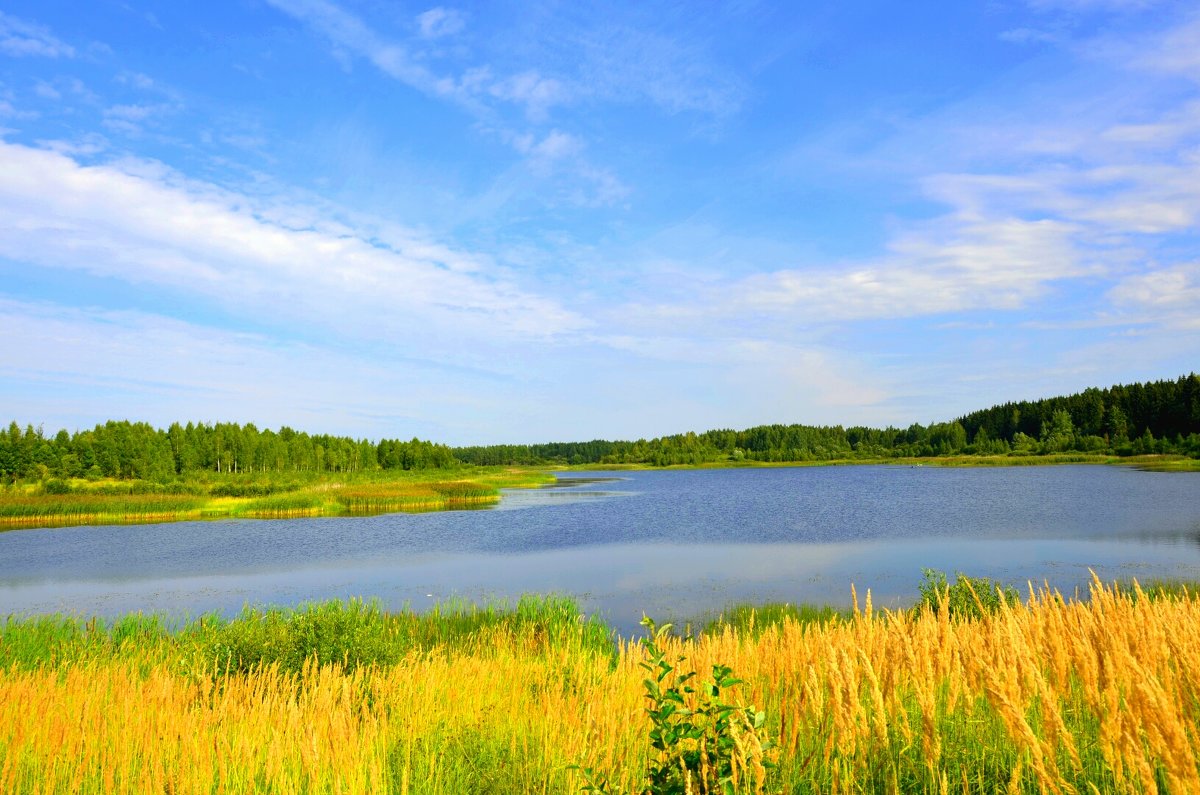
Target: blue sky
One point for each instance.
(540, 220)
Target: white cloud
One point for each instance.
(948, 266)
(86, 145)
(131, 112)
(349, 32)
(1165, 130)
(132, 119)
(11, 111)
(142, 224)
(621, 64)
(46, 91)
(1028, 36)
(64, 87)
(603, 188)
(1091, 5)
(137, 80)
(438, 22)
(1177, 52)
(554, 146)
(20, 38)
(1000, 264)
(1164, 293)
(536, 93)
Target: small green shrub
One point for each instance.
(700, 743)
(357, 633)
(351, 633)
(56, 486)
(968, 597)
(252, 489)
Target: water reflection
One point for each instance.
(620, 581)
(673, 544)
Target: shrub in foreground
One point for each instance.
(968, 597)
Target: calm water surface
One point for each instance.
(673, 544)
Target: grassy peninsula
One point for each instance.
(265, 496)
(1034, 696)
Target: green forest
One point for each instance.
(1162, 417)
(137, 450)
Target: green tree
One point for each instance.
(1059, 433)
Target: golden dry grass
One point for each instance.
(1049, 697)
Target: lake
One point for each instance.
(675, 544)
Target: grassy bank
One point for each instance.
(79, 501)
(1042, 696)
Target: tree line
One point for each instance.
(1134, 419)
(137, 450)
(1155, 417)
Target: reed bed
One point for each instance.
(384, 497)
(1049, 696)
(28, 510)
(257, 497)
(283, 506)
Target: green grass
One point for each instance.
(1162, 589)
(753, 620)
(58, 640)
(351, 632)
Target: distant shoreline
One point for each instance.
(112, 502)
(1149, 463)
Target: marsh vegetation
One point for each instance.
(1041, 695)
(60, 502)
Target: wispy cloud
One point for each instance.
(1169, 296)
(554, 146)
(347, 31)
(140, 223)
(21, 38)
(8, 109)
(604, 63)
(622, 63)
(949, 266)
(1028, 36)
(131, 119)
(438, 22)
(1178, 52)
(1092, 5)
(537, 94)
(63, 88)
